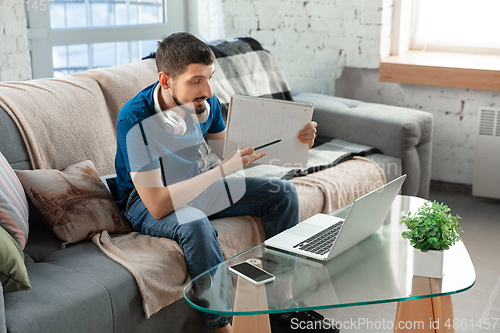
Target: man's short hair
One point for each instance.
(179, 50)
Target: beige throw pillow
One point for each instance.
(73, 202)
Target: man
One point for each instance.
(160, 189)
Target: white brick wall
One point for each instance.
(313, 40)
(15, 61)
(454, 111)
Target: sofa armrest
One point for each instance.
(400, 132)
(3, 325)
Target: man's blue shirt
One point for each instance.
(143, 144)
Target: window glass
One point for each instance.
(103, 13)
(60, 56)
(76, 16)
(104, 55)
(123, 52)
(58, 16)
(147, 47)
(457, 23)
(69, 59)
(134, 51)
(78, 57)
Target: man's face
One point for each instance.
(194, 85)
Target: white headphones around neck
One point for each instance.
(171, 121)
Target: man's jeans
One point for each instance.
(275, 201)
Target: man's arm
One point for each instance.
(161, 201)
(216, 142)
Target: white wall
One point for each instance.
(334, 47)
(313, 40)
(205, 19)
(15, 61)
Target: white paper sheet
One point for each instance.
(254, 121)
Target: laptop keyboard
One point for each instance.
(321, 242)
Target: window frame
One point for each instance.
(42, 38)
(434, 68)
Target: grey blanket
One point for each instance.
(325, 156)
(243, 67)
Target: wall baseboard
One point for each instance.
(450, 187)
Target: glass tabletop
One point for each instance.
(376, 270)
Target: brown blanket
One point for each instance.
(72, 119)
(75, 105)
(158, 264)
(163, 275)
(333, 188)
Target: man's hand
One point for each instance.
(240, 159)
(308, 134)
(248, 156)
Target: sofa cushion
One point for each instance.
(13, 273)
(13, 230)
(61, 300)
(12, 145)
(73, 202)
(42, 241)
(85, 291)
(13, 204)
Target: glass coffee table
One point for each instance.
(377, 270)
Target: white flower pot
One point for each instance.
(428, 264)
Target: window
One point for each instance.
(68, 59)
(76, 35)
(456, 26)
(445, 43)
(104, 13)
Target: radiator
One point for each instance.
(486, 178)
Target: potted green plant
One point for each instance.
(431, 231)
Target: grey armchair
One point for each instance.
(399, 132)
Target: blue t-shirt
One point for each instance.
(143, 144)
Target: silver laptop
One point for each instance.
(324, 237)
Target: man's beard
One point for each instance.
(199, 109)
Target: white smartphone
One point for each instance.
(252, 273)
